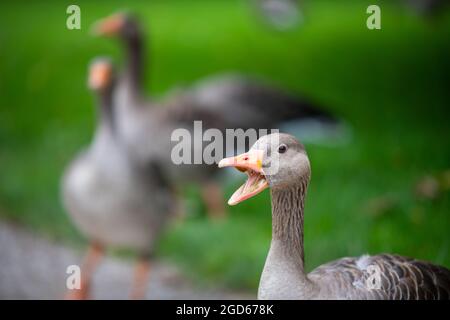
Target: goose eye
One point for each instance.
(282, 148)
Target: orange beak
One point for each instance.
(99, 75)
(251, 160)
(109, 26)
(251, 163)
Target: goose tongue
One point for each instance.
(251, 163)
(254, 185)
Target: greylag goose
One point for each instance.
(280, 162)
(111, 202)
(214, 102)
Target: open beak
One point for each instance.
(250, 163)
(109, 26)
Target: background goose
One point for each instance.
(110, 201)
(280, 162)
(146, 128)
(428, 8)
(282, 15)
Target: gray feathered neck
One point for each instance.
(287, 218)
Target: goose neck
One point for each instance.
(106, 114)
(135, 62)
(287, 222)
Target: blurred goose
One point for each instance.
(146, 128)
(280, 14)
(280, 162)
(428, 8)
(111, 201)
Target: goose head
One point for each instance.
(277, 161)
(100, 75)
(121, 25)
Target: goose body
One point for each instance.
(280, 162)
(112, 201)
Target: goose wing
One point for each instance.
(384, 276)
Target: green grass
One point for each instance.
(391, 86)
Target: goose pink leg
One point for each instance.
(93, 256)
(141, 275)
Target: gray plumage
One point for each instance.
(401, 278)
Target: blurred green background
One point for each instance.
(387, 190)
